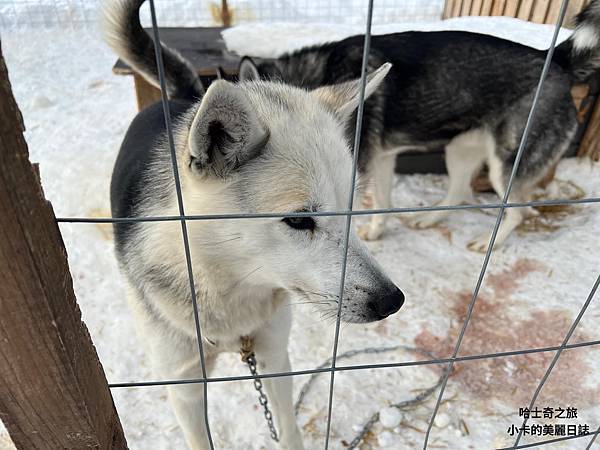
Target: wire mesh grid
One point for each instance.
(75, 13)
(349, 213)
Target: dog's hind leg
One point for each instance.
(382, 176)
(511, 220)
(270, 346)
(465, 155)
(552, 129)
(512, 216)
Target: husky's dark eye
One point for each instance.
(300, 223)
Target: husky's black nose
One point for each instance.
(388, 304)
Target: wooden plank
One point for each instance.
(448, 6)
(476, 8)
(539, 11)
(145, 93)
(553, 12)
(512, 8)
(590, 144)
(574, 8)
(465, 9)
(498, 7)
(202, 46)
(525, 9)
(221, 14)
(580, 92)
(53, 393)
(456, 7)
(486, 8)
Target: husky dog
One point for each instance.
(253, 147)
(467, 92)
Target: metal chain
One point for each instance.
(420, 398)
(365, 429)
(262, 397)
(250, 359)
(400, 406)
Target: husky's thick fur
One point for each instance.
(468, 92)
(253, 147)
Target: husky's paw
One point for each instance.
(292, 447)
(480, 244)
(530, 212)
(424, 220)
(370, 232)
(293, 442)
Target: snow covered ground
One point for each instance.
(257, 39)
(76, 113)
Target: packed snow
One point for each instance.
(76, 113)
(258, 39)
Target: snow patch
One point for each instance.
(270, 40)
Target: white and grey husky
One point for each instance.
(253, 147)
(467, 92)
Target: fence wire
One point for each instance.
(184, 232)
(391, 365)
(49, 14)
(361, 212)
(488, 254)
(594, 435)
(557, 356)
(357, 132)
(349, 213)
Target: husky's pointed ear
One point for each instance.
(343, 98)
(248, 70)
(225, 133)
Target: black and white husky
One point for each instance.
(468, 92)
(252, 147)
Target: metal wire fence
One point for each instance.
(74, 13)
(349, 213)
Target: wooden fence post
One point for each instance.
(53, 392)
(590, 144)
(540, 11)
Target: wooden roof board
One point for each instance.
(203, 47)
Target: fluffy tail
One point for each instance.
(580, 54)
(125, 35)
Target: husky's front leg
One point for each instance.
(188, 404)
(270, 347)
(382, 177)
(178, 359)
(175, 357)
